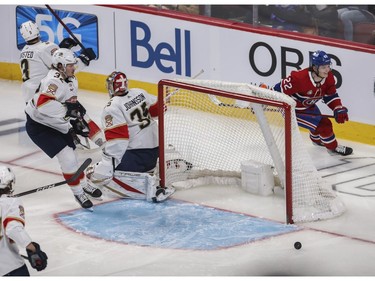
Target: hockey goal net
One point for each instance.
(208, 128)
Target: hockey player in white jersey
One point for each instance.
(36, 58)
(54, 118)
(13, 233)
(131, 151)
(36, 61)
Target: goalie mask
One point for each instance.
(116, 82)
(29, 30)
(7, 179)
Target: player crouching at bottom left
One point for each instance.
(132, 149)
(13, 233)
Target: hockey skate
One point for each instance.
(84, 201)
(341, 150)
(162, 194)
(93, 191)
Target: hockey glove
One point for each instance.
(341, 114)
(80, 127)
(74, 136)
(68, 43)
(74, 109)
(37, 259)
(87, 55)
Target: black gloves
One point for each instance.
(37, 259)
(68, 43)
(87, 55)
(74, 109)
(80, 127)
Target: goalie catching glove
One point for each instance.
(37, 259)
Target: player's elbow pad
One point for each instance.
(18, 234)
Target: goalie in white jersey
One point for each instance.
(132, 150)
(54, 117)
(13, 233)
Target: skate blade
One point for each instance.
(91, 209)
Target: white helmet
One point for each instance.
(63, 56)
(29, 30)
(7, 179)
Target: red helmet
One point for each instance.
(116, 82)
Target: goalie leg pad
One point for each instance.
(137, 186)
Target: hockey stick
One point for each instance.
(175, 91)
(216, 101)
(313, 114)
(66, 27)
(85, 164)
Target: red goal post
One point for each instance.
(195, 117)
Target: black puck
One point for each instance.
(297, 245)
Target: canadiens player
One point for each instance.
(36, 61)
(13, 233)
(131, 149)
(54, 117)
(307, 87)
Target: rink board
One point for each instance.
(173, 224)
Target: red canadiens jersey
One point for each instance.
(301, 87)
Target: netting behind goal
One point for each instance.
(211, 127)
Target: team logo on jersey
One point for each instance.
(309, 93)
(108, 120)
(52, 88)
(22, 212)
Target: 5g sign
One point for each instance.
(84, 26)
(41, 19)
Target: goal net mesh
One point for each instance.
(208, 134)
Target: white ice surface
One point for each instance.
(338, 247)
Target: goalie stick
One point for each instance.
(84, 165)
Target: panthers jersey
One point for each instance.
(47, 106)
(12, 218)
(35, 62)
(128, 123)
(301, 87)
